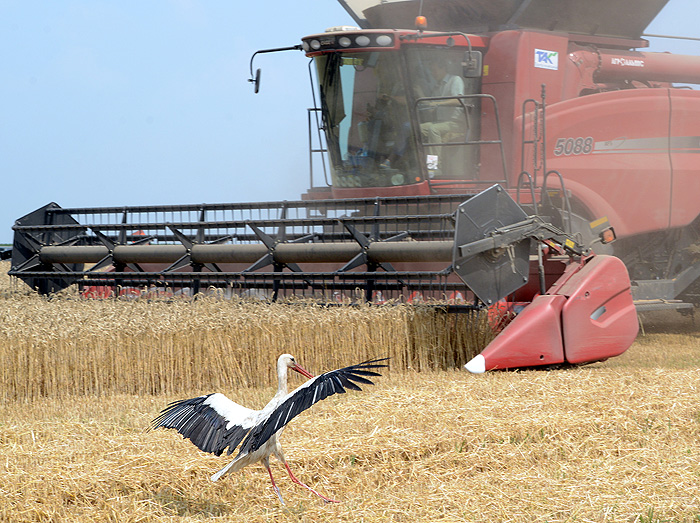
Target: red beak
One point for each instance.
(301, 370)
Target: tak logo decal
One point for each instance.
(546, 59)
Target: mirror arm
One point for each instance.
(255, 78)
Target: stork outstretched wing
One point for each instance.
(311, 392)
(212, 422)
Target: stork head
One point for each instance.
(287, 361)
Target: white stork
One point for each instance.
(214, 422)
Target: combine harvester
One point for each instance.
(482, 162)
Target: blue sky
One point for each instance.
(147, 102)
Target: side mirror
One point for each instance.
(256, 81)
(472, 64)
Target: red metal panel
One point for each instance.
(514, 72)
(599, 318)
(685, 156)
(612, 148)
(533, 338)
(657, 67)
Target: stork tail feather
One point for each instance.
(231, 467)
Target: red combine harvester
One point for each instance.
(481, 163)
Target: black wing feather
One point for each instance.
(348, 384)
(327, 384)
(201, 424)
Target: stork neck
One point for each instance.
(282, 371)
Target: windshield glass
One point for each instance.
(381, 133)
(447, 112)
(368, 128)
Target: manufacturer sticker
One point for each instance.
(546, 59)
(627, 62)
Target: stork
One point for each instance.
(214, 422)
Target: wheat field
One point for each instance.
(81, 380)
(66, 347)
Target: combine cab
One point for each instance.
(481, 159)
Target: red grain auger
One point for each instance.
(522, 155)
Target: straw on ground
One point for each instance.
(80, 381)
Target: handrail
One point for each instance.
(499, 141)
(322, 150)
(566, 204)
(535, 139)
(532, 189)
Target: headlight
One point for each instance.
(384, 40)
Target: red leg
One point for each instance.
(274, 486)
(295, 480)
